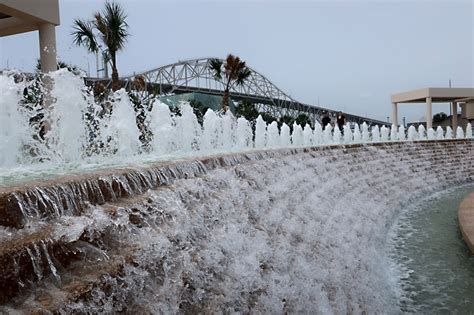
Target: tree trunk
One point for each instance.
(225, 101)
(115, 76)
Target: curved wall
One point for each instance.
(466, 221)
(272, 231)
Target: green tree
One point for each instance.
(111, 28)
(268, 118)
(199, 109)
(287, 120)
(247, 110)
(302, 120)
(233, 72)
(439, 117)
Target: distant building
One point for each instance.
(20, 16)
(455, 96)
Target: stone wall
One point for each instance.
(329, 207)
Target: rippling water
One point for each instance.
(431, 260)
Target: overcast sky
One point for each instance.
(347, 55)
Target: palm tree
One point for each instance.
(235, 72)
(110, 27)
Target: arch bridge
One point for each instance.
(196, 75)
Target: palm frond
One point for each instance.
(216, 67)
(113, 26)
(84, 35)
(243, 75)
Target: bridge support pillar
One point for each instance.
(395, 114)
(429, 113)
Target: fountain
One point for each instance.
(376, 133)
(393, 133)
(431, 134)
(106, 224)
(401, 133)
(365, 132)
(348, 137)
(439, 133)
(449, 133)
(421, 132)
(357, 136)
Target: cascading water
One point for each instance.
(222, 234)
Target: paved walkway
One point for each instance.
(466, 220)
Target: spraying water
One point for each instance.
(78, 131)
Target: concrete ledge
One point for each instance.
(466, 220)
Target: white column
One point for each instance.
(47, 45)
(454, 119)
(395, 114)
(429, 113)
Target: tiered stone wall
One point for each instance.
(32, 211)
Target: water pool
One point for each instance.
(430, 259)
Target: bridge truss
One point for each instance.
(196, 76)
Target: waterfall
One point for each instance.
(201, 234)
